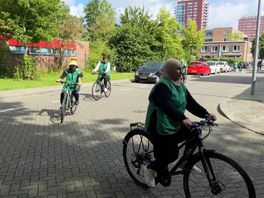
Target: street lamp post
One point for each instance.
(256, 52)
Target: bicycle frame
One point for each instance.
(190, 154)
(69, 101)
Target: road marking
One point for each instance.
(11, 109)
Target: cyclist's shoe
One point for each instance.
(105, 89)
(164, 178)
(150, 175)
(77, 102)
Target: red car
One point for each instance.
(198, 68)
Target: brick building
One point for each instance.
(218, 44)
(196, 10)
(45, 53)
(248, 25)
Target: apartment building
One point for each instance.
(248, 25)
(196, 10)
(219, 44)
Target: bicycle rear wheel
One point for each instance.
(108, 87)
(63, 107)
(96, 90)
(227, 177)
(137, 152)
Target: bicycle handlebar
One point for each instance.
(67, 83)
(198, 125)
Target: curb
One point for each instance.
(229, 110)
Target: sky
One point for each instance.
(222, 13)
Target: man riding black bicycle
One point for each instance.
(73, 76)
(167, 123)
(104, 70)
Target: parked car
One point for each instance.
(224, 67)
(149, 72)
(213, 66)
(198, 68)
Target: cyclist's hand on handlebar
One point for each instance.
(59, 80)
(211, 117)
(187, 123)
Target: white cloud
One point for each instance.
(76, 8)
(225, 15)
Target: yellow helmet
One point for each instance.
(73, 62)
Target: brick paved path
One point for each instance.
(39, 157)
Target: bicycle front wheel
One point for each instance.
(63, 107)
(137, 152)
(73, 108)
(96, 90)
(228, 179)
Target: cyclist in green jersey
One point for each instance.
(104, 70)
(73, 75)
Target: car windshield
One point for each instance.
(220, 63)
(152, 65)
(210, 63)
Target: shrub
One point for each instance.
(27, 70)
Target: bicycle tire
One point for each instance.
(135, 166)
(108, 87)
(199, 183)
(73, 108)
(96, 90)
(63, 107)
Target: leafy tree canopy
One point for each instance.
(30, 20)
(170, 44)
(261, 46)
(192, 41)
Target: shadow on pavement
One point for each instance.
(53, 114)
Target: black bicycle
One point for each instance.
(68, 102)
(206, 173)
(98, 88)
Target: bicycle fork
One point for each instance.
(207, 166)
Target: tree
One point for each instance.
(261, 47)
(135, 39)
(100, 19)
(70, 30)
(192, 41)
(30, 20)
(100, 24)
(170, 45)
(236, 36)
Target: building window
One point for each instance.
(214, 48)
(225, 48)
(236, 48)
(204, 48)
